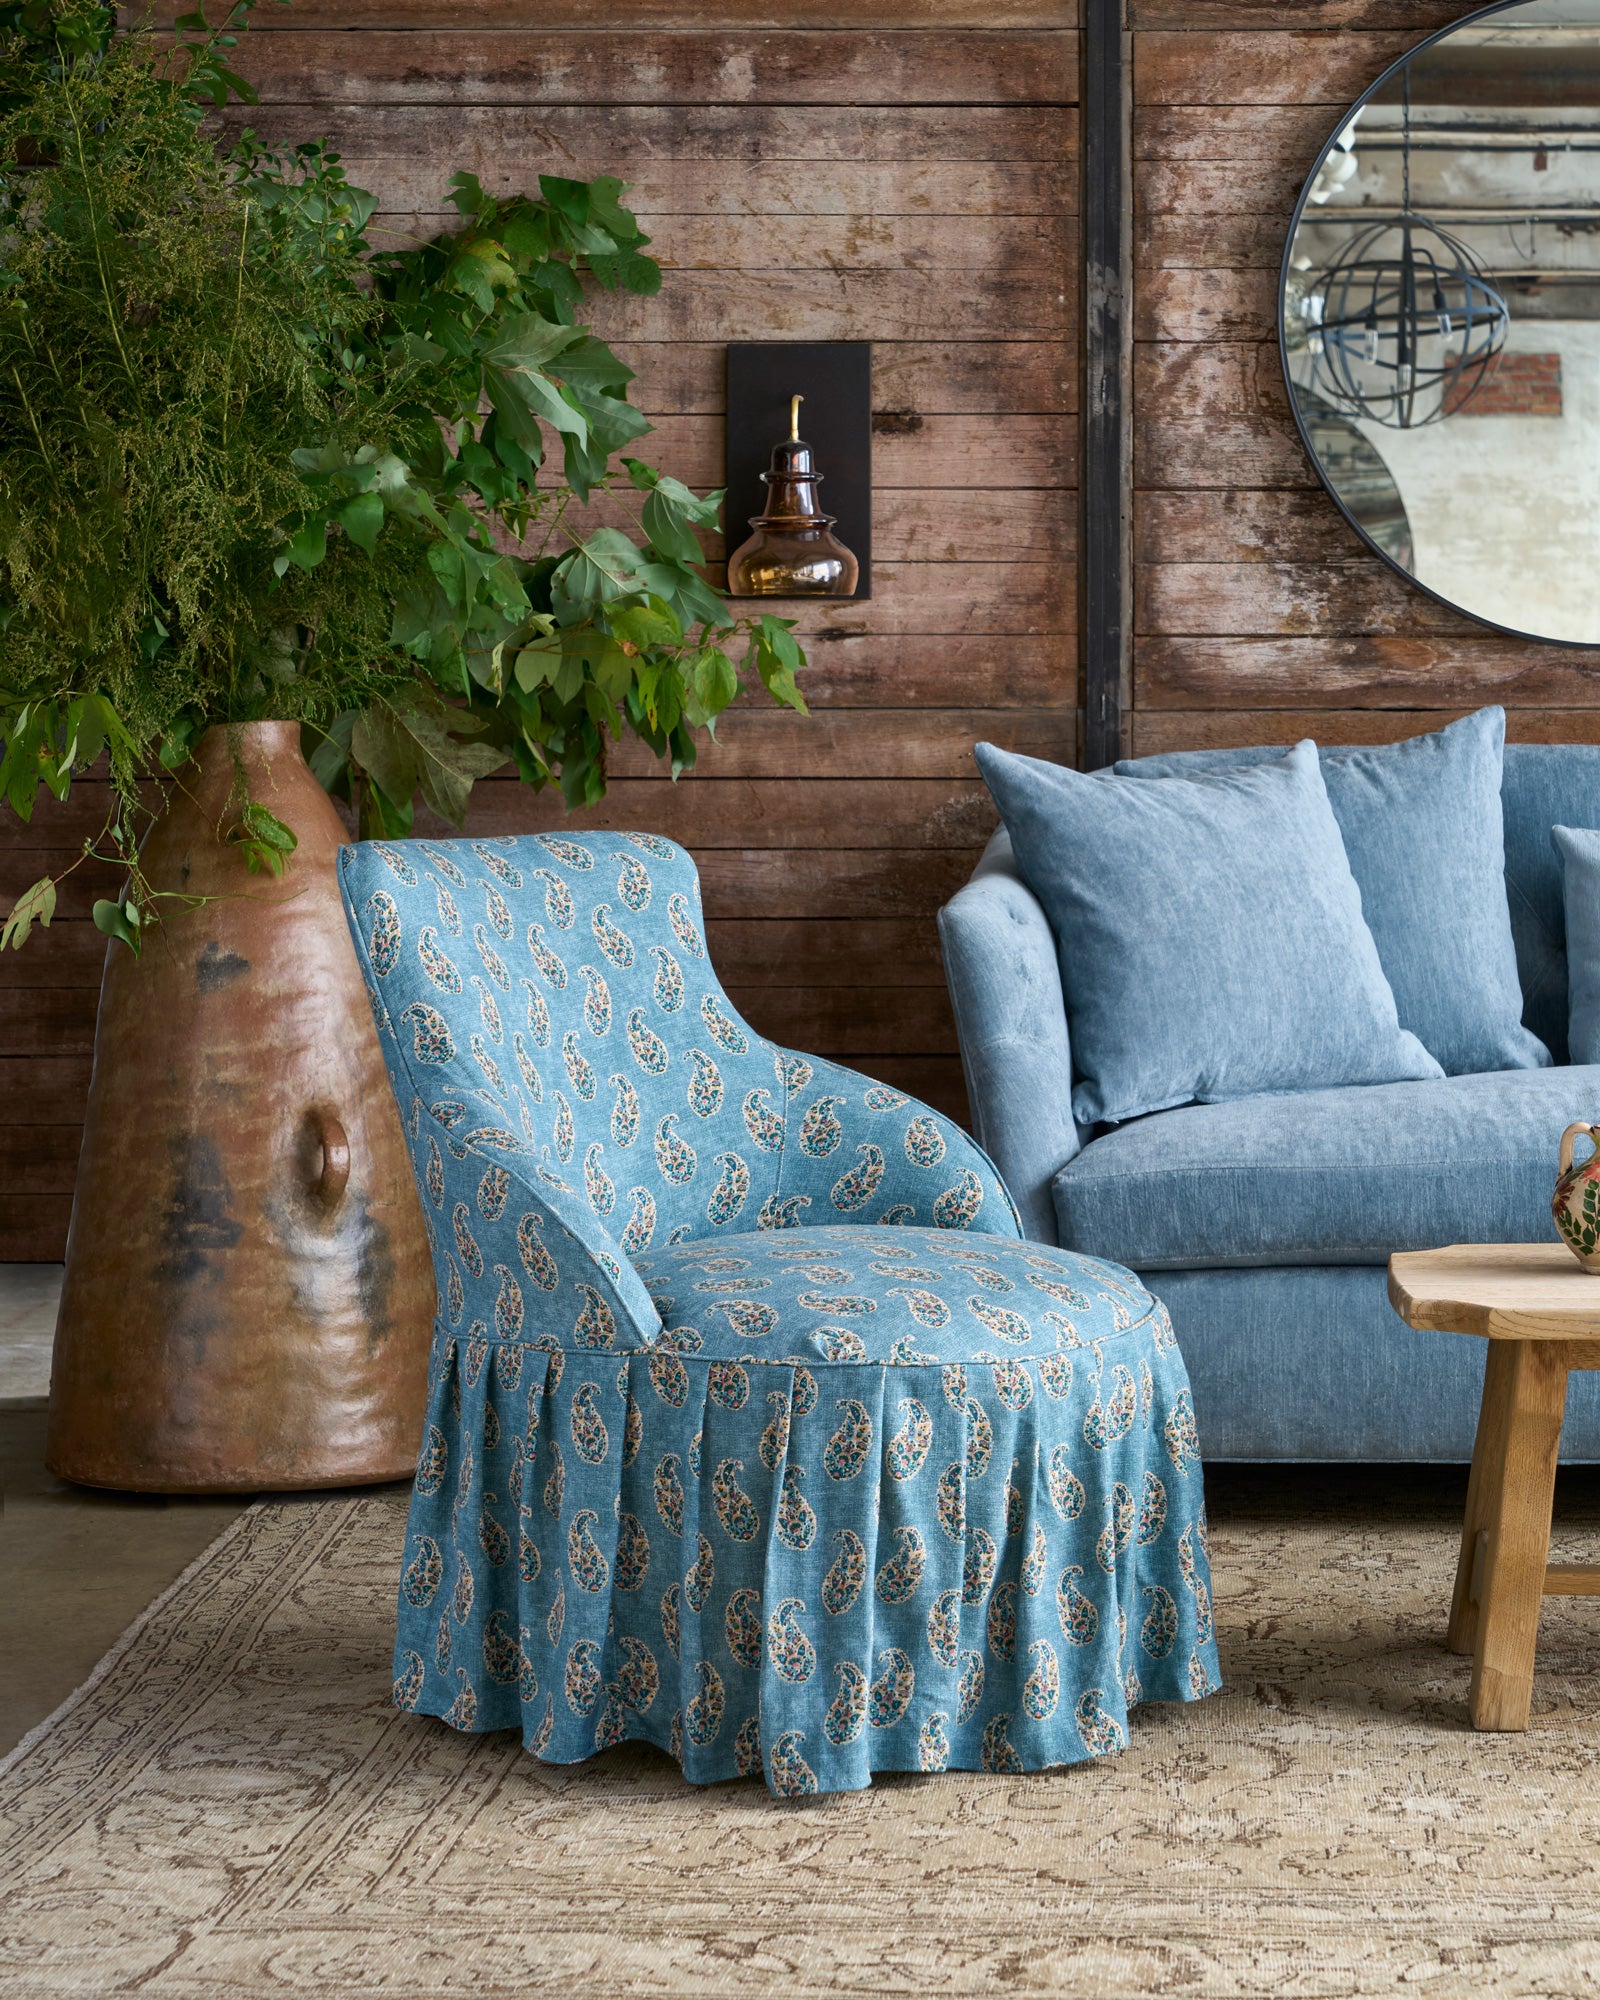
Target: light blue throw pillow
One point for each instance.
(1424, 832)
(1578, 851)
(1210, 933)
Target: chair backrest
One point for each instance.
(558, 990)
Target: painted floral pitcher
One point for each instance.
(1576, 1201)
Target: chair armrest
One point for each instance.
(1001, 962)
(857, 1151)
(516, 1248)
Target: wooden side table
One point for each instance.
(1540, 1313)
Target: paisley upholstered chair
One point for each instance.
(756, 1430)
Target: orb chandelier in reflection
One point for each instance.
(1402, 326)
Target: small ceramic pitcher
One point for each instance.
(1576, 1201)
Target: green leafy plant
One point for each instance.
(253, 466)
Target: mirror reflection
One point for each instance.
(1441, 317)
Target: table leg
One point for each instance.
(1524, 1400)
(1488, 1467)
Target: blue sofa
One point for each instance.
(1266, 1223)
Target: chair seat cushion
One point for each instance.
(893, 1298)
(905, 1499)
(1327, 1176)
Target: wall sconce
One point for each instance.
(794, 551)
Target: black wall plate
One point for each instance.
(835, 377)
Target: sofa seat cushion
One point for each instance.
(1327, 1176)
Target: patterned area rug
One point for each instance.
(230, 1808)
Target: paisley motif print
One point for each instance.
(431, 1038)
(581, 1682)
(890, 1694)
(728, 1196)
(674, 1155)
(998, 1754)
(820, 1130)
(559, 907)
(908, 1449)
(797, 1520)
(641, 1224)
(924, 1142)
(538, 1015)
(720, 1024)
(775, 1438)
(761, 1122)
(741, 1627)
(669, 1495)
(950, 1501)
(933, 1743)
(683, 924)
(493, 1191)
(782, 1212)
(611, 938)
(1101, 1732)
(846, 1573)
(498, 864)
(900, 1577)
(850, 1446)
(944, 1627)
(958, 1206)
(1003, 1324)
(1159, 1632)
(790, 1776)
(536, 1259)
(794, 1073)
(466, 1245)
(589, 1567)
(793, 1656)
(667, 990)
(385, 934)
(649, 1051)
(579, 1069)
(493, 964)
(596, 1324)
(701, 1577)
(705, 1084)
(847, 1712)
(597, 1183)
(978, 1566)
(633, 883)
(1080, 1621)
(856, 1188)
(1042, 1689)
(596, 1001)
(567, 852)
(703, 1712)
(589, 1436)
(633, 1553)
(1115, 1536)
(1182, 1439)
(550, 964)
(423, 1574)
(1000, 1626)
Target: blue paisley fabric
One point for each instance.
(713, 1459)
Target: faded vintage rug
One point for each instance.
(231, 1808)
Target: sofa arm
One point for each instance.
(1011, 1020)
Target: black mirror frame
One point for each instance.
(1394, 69)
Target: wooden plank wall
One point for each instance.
(1259, 615)
(897, 172)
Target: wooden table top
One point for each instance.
(1499, 1291)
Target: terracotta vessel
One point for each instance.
(248, 1294)
(1576, 1201)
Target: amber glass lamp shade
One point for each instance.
(793, 552)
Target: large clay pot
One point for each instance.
(248, 1293)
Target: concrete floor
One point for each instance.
(76, 1566)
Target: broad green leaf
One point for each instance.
(527, 341)
(669, 533)
(120, 920)
(361, 518)
(36, 905)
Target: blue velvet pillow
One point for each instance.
(1578, 851)
(1424, 832)
(1210, 933)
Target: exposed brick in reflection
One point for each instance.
(1517, 385)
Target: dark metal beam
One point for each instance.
(1105, 539)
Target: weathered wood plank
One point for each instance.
(33, 1228)
(771, 304)
(54, 1021)
(1181, 380)
(683, 66)
(44, 1090)
(1414, 17)
(1288, 134)
(1206, 305)
(38, 1159)
(1260, 598)
(796, 245)
(1210, 527)
(68, 953)
(785, 813)
(1222, 452)
(868, 669)
(631, 17)
(1157, 730)
(394, 150)
(842, 882)
(925, 453)
(887, 744)
(1373, 670)
(1178, 242)
(894, 1020)
(876, 952)
(931, 378)
(1328, 66)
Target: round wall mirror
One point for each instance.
(1439, 315)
